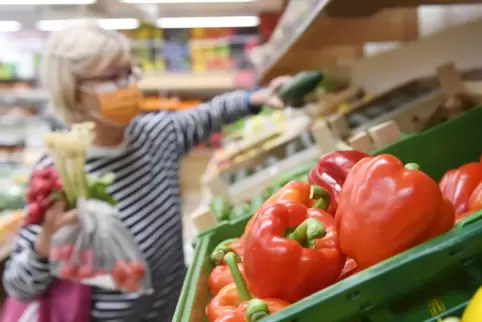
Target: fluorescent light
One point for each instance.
(112, 24)
(44, 2)
(185, 1)
(10, 26)
(119, 23)
(208, 22)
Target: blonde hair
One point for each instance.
(78, 51)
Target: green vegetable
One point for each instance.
(221, 207)
(240, 210)
(293, 93)
(97, 187)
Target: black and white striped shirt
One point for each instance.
(148, 194)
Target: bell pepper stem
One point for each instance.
(244, 294)
(412, 166)
(256, 310)
(307, 231)
(221, 250)
(321, 195)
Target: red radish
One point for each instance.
(120, 273)
(42, 186)
(31, 195)
(137, 268)
(86, 271)
(41, 173)
(34, 214)
(131, 284)
(58, 184)
(46, 202)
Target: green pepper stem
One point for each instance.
(256, 310)
(244, 294)
(321, 195)
(307, 231)
(412, 166)
(221, 250)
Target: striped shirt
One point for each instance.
(148, 193)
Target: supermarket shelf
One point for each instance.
(334, 31)
(202, 83)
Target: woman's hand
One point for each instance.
(54, 219)
(269, 95)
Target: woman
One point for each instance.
(89, 74)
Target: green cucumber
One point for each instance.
(293, 93)
(221, 207)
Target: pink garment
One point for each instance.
(64, 301)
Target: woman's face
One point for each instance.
(110, 79)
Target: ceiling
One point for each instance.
(116, 9)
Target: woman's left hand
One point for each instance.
(269, 95)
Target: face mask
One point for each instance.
(121, 106)
(118, 106)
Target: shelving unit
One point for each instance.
(196, 84)
(331, 33)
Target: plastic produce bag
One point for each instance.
(99, 251)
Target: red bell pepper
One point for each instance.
(231, 301)
(295, 191)
(331, 170)
(221, 276)
(302, 245)
(457, 185)
(475, 200)
(387, 207)
(224, 247)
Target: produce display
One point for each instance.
(296, 145)
(347, 228)
(223, 209)
(390, 101)
(300, 227)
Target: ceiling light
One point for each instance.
(208, 22)
(185, 1)
(10, 26)
(44, 2)
(119, 23)
(112, 24)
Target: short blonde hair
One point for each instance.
(78, 51)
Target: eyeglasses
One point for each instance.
(111, 82)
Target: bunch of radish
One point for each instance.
(45, 186)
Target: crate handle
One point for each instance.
(469, 220)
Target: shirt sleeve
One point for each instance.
(26, 275)
(195, 125)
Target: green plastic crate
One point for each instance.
(433, 280)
